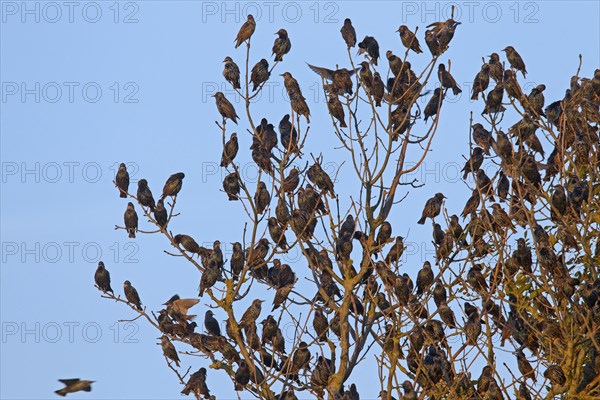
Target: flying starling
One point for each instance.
(262, 198)
(230, 150)
(74, 385)
(246, 31)
(102, 278)
(341, 78)
(277, 234)
(197, 384)
(424, 278)
(160, 214)
(231, 186)
(371, 47)
(282, 45)
(434, 103)
(169, 350)
(336, 110)
(122, 180)
(447, 80)
(432, 208)
(288, 135)
(144, 195)
(225, 108)
(211, 324)
(378, 89)
(515, 60)
(132, 295)
(348, 33)
(260, 74)
(173, 185)
(496, 68)
(474, 162)
(409, 39)
(188, 243)
(231, 72)
(481, 82)
(131, 220)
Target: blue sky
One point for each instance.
(90, 84)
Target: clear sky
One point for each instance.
(86, 85)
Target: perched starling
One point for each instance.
(282, 45)
(281, 295)
(371, 47)
(230, 150)
(74, 385)
(237, 259)
(396, 251)
(231, 186)
(224, 107)
(432, 43)
(432, 208)
(395, 64)
(290, 182)
(424, 278)
(515, 60)
(277, 234)
(242, 376)
(102, 278)
(131, 220)
(503, 186)
(439, 294)
(251, 314)
(409, 391)
(321, 179)
(438, 234)
(122, 180)
(447, 315)
(447, 80)
(197, 384)
(169, 350)
(434, 103)
(211, 324)
(502, 218)
(160, 214)
(378, 89)
(188, 243)
(144, 195)
(512, 87)
(132, 295)
(289, 135)
(444, 32)
(366, 76)
(348, 33)
(503, 147)
(261, 156)
(481, 82)
(209, 278)
(262, 197)
(493, 103)
(496, 69)
(231, 73)
(173, 185)
(297, 100)
(482, 138)
(320, 324)
(555, 375)
(260, 74)
(471, 204)
(536, 100)
(336, 110)
(524, 366)
(347, 228)
(299, 360)
(409, 39)
(266, 135)
(384, 234)
(476, 279)
(530, 171)
(474, 162)
(245, 31)
(472, 327)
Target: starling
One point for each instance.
(371, 47)
(179, 308)
(209, 278)
(503, 186)
(396, 251)
(555, 375)
(409, 391)
(496, 69)
(341, 78)
(132, 295)
(484, 184)
(231, 186)
(266, 135)
(424, 278)
(438, 234)
(503, 147)
(366, 76)
(277, 234)
(409, 39)
(237, 259)
(432, 208)
(447, 80)
(536, 100)
(102, 278)
(262, 198)
(246, 31)
(474, 162)
(378, 89)
(289, 135)
(482, 138)
(122, 180)
(74, 385)
(558, 201)
(432, 43)
(439, 294)
(321, 179)
(501, 217)
(282, 45)
(347, 228)
(211, 324)
(444, 32)
(297, 100)
(230, 150)
(290, 182)
(251, 314)
(395, 64)
(320, 324)
(515, 60)
(447, 315)
(225, 108)
(173, 185)
(242, 376)
(169, 350)
(231, 73)
(160, 214)
(260, 74)
(472, 328)
(131, 220)
(476, 279)
(384, 234)
(188, 243)
(261, 156)
(434, 103)
(481, 82)
(348, 33)
(524, 366)
(530, 171)
(197, 384)
(144, 195)
(281, 296)
(512, 87)
(336, 110)
(299, 360)
(493, 103)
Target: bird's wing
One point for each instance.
(69, 382)
(324, 72)
(185, 304)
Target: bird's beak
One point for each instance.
(280, 74)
